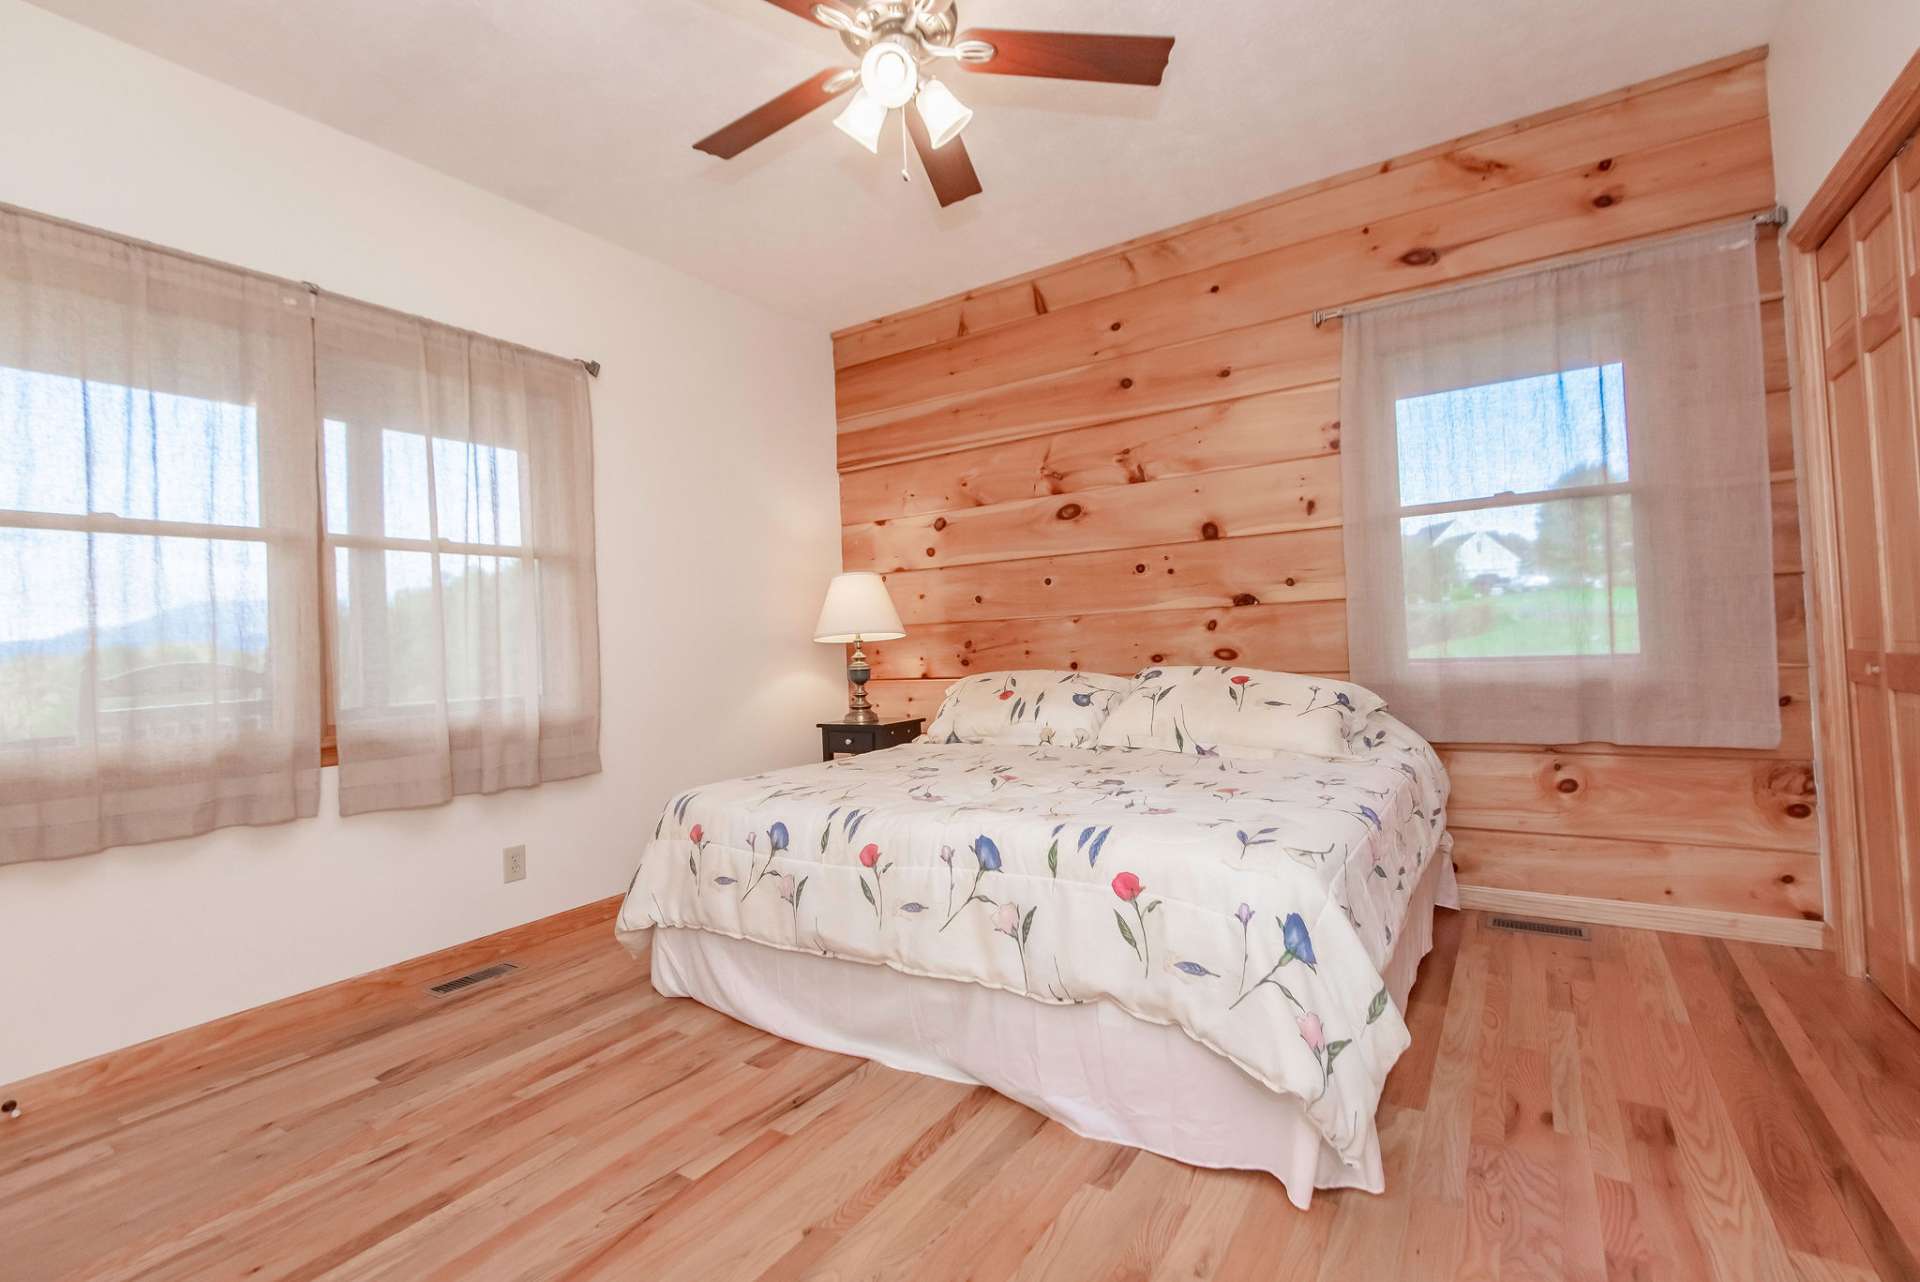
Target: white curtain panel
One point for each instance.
(1557, 510)
(160, 661)
(458, 479)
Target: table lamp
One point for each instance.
(858, 609)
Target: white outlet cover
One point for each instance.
(514, 859)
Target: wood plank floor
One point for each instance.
(1639, 1106)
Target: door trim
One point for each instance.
(1892, 122)
(1826, 637)
(1887, 129)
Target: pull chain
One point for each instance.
(905, 176)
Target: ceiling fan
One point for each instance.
(898, 43)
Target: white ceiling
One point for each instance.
(587, 109)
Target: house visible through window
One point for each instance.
(1517, 518)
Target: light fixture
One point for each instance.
(863, 120)
(889, 73)
(858, 609)
(944, 114)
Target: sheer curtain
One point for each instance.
(159, 597)
(459, 539)
(1558, 525)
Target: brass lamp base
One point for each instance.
(859, 711)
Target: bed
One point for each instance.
(1201, 955)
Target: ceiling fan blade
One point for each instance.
(1072, 55)
(770, 118)
(949, 168)
(804, 8)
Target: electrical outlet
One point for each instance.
(515, 858)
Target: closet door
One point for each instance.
(1870, 302)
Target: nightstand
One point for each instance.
(854, 739)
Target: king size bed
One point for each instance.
(1152, 936)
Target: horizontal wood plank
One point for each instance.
(1120, 643)
(1273, 357)
(1268, 499)
(1699, 800)
(1308, 565)
(1204, 438)
(1768, 883)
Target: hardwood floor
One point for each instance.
(1639, 1106)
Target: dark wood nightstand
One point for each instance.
(841, 736)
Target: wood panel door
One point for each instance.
(1870, 311)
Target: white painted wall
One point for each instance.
(717, 529)
(1831, 62)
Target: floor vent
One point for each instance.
(480, 976)
(1526, 925)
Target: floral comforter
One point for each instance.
(1251, 903)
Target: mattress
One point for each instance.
(1251, 905)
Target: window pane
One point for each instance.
(376, 482)
(1521, 436)
(488, 603)
(476, 487)
(177, 625)
(1537, 580)
(388, 631)
(405, 511)
(478, 492)
(75, 446)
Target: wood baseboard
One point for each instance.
(1792, 932)
(234, 1037)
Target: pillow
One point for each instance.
(1239, 712)
(1034, 706)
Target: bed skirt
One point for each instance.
(1093, 1068)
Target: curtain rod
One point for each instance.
(1775, 217)
(592, 367)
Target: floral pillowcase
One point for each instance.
(1028, 707)
(1240, 712)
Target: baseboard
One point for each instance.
(231, 1035)
(1790, 931)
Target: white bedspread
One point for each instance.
(1249, 903)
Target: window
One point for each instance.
(380, 518)
(1517, 518)
(160, 621)
(1556, 504)
(235, 512)
(134, 588)
(458, 557)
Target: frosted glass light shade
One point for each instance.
(862, 120)
(888, 75)
(944, 114)
(857, 606)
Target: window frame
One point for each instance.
(1622, 355)
(276, 538)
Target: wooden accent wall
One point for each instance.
(1132, 458)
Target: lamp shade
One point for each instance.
(944, 114)
(863, 120)
(858, 608)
